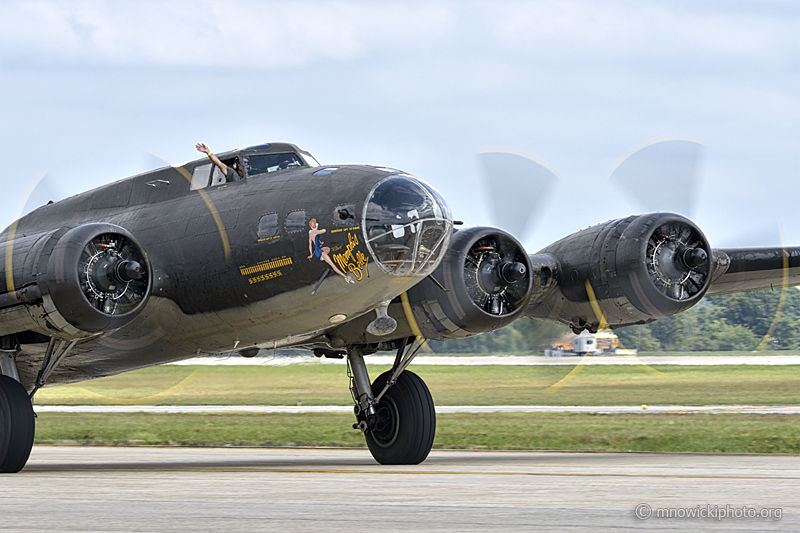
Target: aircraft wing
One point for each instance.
(619, 273)
(642, 268)
(747, 269)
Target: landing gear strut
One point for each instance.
(396, 412)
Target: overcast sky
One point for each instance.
(91, 89)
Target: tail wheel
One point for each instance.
(16, 425)
(405, 421)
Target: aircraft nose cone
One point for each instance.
(407, 226)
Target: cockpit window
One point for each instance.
(200, 176)
(256, 165)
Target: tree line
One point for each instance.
(767, 319)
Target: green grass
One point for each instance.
(315, 384)
(733, 433)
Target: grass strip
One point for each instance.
(732, 433)
(315, 384)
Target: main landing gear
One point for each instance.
(17, 419)
(16, 412)
(396, 412)
(16, 425)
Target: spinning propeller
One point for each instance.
(519, 186)
(659, 176)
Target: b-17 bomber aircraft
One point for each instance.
(345, 261)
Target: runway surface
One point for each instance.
(440, 409)
(259, 489)
(509, 360)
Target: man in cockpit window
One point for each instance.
(231, 174)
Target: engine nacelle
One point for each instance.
(633, 271)
(88, 279)
(486, 280)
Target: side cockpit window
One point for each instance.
(210, 175)
(260, 164)
(252, 166)
(200, 176)
(216, 177)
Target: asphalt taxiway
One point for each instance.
(261, 489)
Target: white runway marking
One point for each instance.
(510, 360)
(443, 409)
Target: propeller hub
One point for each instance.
(694, 257)
(512, 272)
(113, 272)
(677, 259)
(110, 272)
(496, 275)
(127, 271)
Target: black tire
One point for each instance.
(406, 424)
(16, 425)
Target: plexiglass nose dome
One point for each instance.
(407, 226)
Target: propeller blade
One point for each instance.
(661, 176)
(518, 187)
(40, 191)
(152, 161)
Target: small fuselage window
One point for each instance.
(268, 227)
(295, 221)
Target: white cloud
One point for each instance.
(208, 33)
(237, 33)
(585, 32)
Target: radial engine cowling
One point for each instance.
(93, 278)
(488, 280)
(633, 270)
